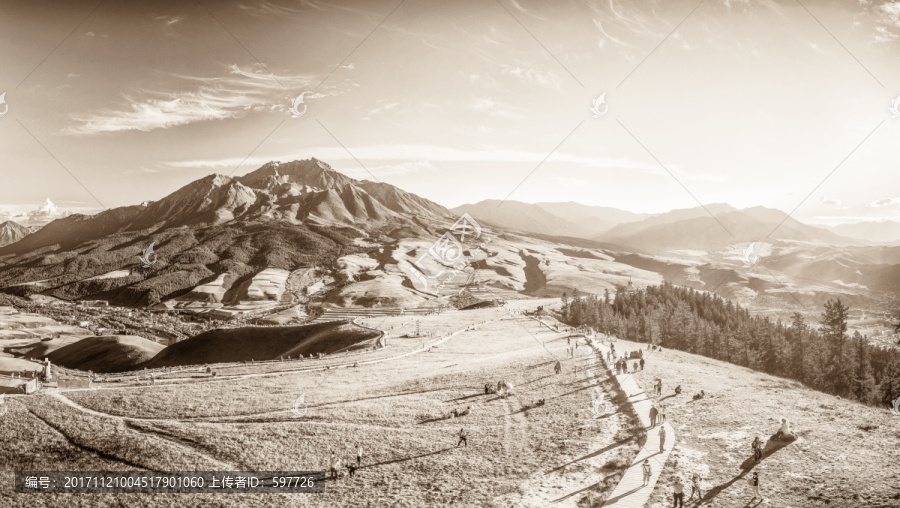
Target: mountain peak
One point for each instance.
(308, 172)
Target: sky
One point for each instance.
(774, 103)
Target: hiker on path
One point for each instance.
(757, 449)
(642, 363)
(558, 367)
(634, 368)
(569, 341)
(653, 413)
(679, 494)
(462, 438)
(662, 439)
(754, 483)
(659, 384)
(358, 455)
(647, 472)
(662, 413)
(695, 487)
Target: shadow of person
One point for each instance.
(715, 491)
(613, 500)
(404, 459)
(772, 446)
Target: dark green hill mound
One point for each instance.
(265, 343)
(114, 353)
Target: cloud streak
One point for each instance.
(201, 99)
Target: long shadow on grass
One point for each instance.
(404, 459)
(772, 446)
(567, 496)
(613, 500)
(601, 451)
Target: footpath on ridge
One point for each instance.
(631, 492)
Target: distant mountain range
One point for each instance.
(887, 232)
(222, 231)
(701, 228)
(554, 219)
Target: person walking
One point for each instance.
(358, 455)
(642, 363)
(558, 367)
(662, 413)
(678, 497)
(757, 449)
(653, 413)
(647, 472)
(754, 483)
(332, 469)
(462, 438)
(662, 439)
(695, 487)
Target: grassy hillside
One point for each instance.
(264, 343)
(845, 454)
(113, 353)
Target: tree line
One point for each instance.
(820, 355)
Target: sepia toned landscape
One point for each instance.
(487, 253)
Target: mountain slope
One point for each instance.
(596, 219)
(696, 229)
(283, 215)
(883, 233)
(12, 232)
(520, 216)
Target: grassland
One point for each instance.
(846, 454)
(519, 453)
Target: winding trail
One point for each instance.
(631, 492)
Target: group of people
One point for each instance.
(456, 413)
(335, 464)
(503, 388)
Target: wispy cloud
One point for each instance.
(200, 99)
(881, 203)
(401, 153)
(531, 74)
(887, 27)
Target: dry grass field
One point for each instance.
(519, 453)
(846, 454)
